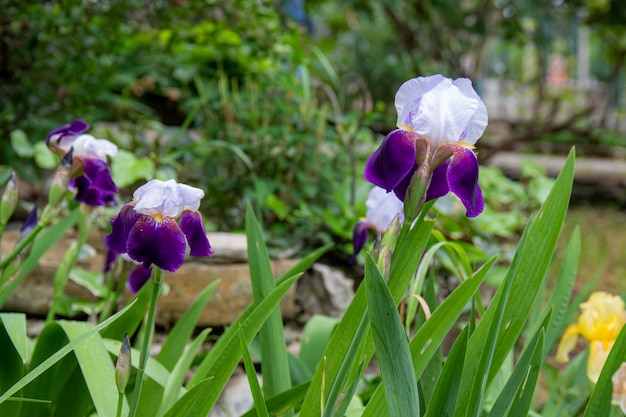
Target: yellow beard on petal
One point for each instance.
(158, 217)
(465, 145)
(405, 127)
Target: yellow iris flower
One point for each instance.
(602, 317)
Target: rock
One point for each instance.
(236, 399)
(231, 297)
(323, 290)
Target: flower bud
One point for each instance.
(9, 200)
(29, 224)
(123, 365)
(59, 186)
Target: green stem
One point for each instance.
(21, 245)
(120, 404)
(69, 261)
(157, 280)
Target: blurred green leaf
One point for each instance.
(44, 157)
(126, 168)
(21, 145)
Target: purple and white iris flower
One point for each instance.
(439, 121)
(89, 173)
(156, 226)
(382, 207)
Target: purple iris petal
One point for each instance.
(439, 182)
(76, 128)
(121, 227)
(157, 242)
(463, 180)
(359, 237)
(109, 261)
(95, 187)
(401, 189)
(392, 161)
(138, 277)
(193, 227)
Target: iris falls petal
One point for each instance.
(392, 161)
(463, 180)
(192, 225)
(120, 228)
(161, 243)
(439, 182)
(138, 277)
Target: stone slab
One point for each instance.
(231, 297)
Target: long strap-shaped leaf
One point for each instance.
(527, 272)
(600, 400)
(429, 337)
(225, 358)
(447, 387)
(209, 360)
(54, 358)
(519, 383)
(275, 362)
(409, 248)
(392, 346)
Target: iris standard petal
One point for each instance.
(189, 197)
(477, 123)
(409, 94)
(161, 243)
(121, 227)
(443, 114)
(158, 197)
(463, 180)
(192, 225)
(95, 187)
(439, 182)
(392, 161)
(90, 147)
(138, 277)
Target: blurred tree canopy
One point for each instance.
(517, 42)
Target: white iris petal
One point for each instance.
(382, 207)
(441, 110)
(166, 198)
(90, 147)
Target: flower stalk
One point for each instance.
(157, 284)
